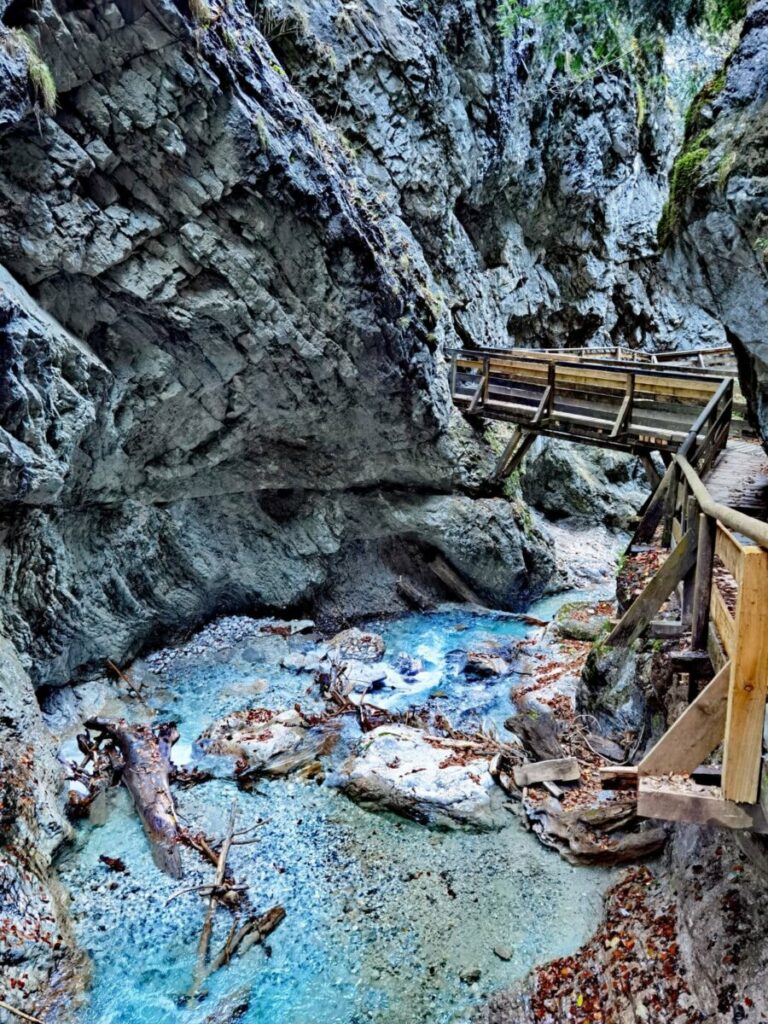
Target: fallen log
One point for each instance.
(146, 772)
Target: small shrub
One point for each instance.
(40, 76)
(201, 12)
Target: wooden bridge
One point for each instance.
(704, 526)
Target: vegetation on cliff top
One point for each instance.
(625, 35)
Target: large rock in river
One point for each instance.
(264, 741)
(423, 777)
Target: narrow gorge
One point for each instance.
(308, 688)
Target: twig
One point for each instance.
(205, 934)
(131, 687)
(206, 889)
(19, 1013)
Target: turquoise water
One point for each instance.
(383, 915)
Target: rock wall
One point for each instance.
(222, 351)
(233, 261)
(716, 223)
(36, 954)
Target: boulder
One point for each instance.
(484, 664)
(269, 742)
(402, 769)
(358, 644)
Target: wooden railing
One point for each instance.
(718, 563)
(714, 573)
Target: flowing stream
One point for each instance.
(387, 920)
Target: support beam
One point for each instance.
(509, 448)
(521, 452)
(625, 410)
(652, 513)
(703, 805)
(650, 470)
(477, 395)
(749, 682)
(641, 612)
(695, 734)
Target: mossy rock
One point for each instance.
(575, 621)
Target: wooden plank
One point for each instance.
(703, 805)
(695, 734)
(506, 455)
(656, 592)
(560, 769)
(625, 408)
(749, 683)
(476, 397)
(665, 629)
(729, 551)
(702, 588)
(650, 471)
(723, 622)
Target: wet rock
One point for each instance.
(308, 661)
(406, 664)
(263, 741)
(723, 208)
(358, 644)
(40, 962)
(539, 730)
(362, 676)
(401, 769)
(483, 665)
(578, 620)
(567, 480)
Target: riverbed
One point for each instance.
(387, 920)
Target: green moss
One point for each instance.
(725, 167)
(720, 15)
(683, 181)
(704, 96)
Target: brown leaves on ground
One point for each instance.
(631, 965)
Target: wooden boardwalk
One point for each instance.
(739, 478)
(707, 519)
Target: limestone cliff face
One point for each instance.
(717, 227)
(233, 262)
(221, 351)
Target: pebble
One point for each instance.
(470, 975)
(503, 952)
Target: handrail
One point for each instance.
(711, 407)
(645, 370)
(756, 530)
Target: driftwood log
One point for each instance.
(146, 771)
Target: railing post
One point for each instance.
(670, 504)
(453, 374)
(487, 377)
(742, 753)
(702, 592)
(551, 383)
(689, 582)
